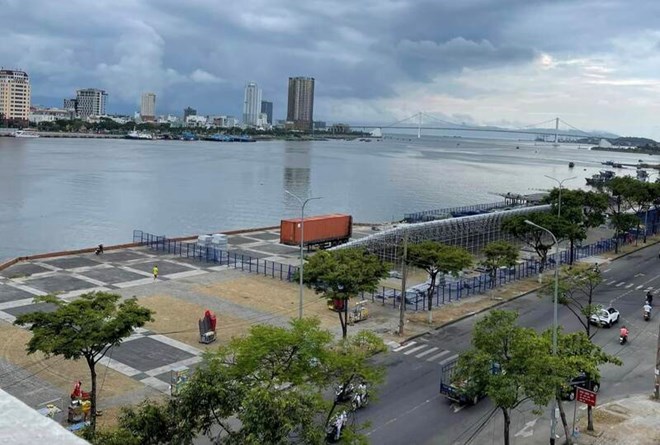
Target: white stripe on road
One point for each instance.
(611, 282)
(426, 352)
(447, 360)
(430, 359)
(606, 270)
(410, 351)
(621, 284)
(401, 348)
(629, 286)
(639, 287)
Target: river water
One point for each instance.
(58, 194)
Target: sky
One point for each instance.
(511, 63)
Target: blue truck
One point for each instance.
(463, 391)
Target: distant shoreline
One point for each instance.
(628, 150)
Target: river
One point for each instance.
(58, 194)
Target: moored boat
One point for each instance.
(25, 134)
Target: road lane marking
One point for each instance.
(607, 270)
(639, 287)
(611, 282)
(401, 348)
(426, 352)
(447, 360)
(410, 351)
(621, 284)
(629, 286)
(437, 356)
(528, 430)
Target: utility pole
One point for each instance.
(657, 369)
(404, 275)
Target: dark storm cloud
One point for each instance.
(202, 52)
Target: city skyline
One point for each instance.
(506, 63)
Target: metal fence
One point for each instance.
(455, 212)
(447, 290)
(210, 254)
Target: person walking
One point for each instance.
(155, 271)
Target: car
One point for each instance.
(605, 317)
(579, 381)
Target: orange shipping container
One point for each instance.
(333, 229)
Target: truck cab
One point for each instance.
(463, 391)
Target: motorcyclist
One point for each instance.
(339, 424)
(360, 395)
(623, 332)
(647, 308)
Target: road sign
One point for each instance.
(585, 396)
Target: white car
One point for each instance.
(605, 317)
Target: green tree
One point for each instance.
(535, 238)
(84, 328)
(435, 258)
(340, 275)
(499, 254)
(513, 362)
(621, 190)
(273, 381)
(582, 210)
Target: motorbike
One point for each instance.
(335, 427)
(647, 315)
(360, 398)
(623, 339)
(99, 249)
(344, 394)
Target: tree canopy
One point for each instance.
(342, 274)
(499, 254)
(84, 328)
(536, 238)
(435, 258)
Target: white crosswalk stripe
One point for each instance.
(639, 287)
(621, 284)
(437, 356)
(628, 286)
(410, 351)
(611, 282)
(407, 345)
(427, 352)
(447, 360)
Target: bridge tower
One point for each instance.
(556, 130)
(419, 125)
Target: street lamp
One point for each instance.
(553, 414)
(303, 203)
(560, 186)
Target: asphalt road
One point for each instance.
(409, 408)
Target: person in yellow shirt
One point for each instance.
(155, 270)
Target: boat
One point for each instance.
(642, 175)
(571, 164)
(601, 178)
(25, 134)
(143, 135)
(188, 136)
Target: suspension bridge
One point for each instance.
(423, 121)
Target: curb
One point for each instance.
(500, 303)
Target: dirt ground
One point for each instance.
(178, 319)
(271, 296)
(60, 372)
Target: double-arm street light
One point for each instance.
(561, 183)
(303, 203)
(553, 414)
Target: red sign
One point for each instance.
(585, 396)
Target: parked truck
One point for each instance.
(323, 231)
(463, 391)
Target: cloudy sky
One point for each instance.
(596, 64)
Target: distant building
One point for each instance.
(70, 105)
(267, 108)
(195, 121)
(38, 115)
(15, 94)
(188, 112)
(148, 107)
(340, 128)
(300, 108)
(251, 104)
(319, 125)
(91, 102)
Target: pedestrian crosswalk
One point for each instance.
(425, 351)
(626, 285)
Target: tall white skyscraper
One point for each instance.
(251, 104)
(148, 107)
(14, 94)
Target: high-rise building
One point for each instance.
(188, 111)
(300, 108)
(267, 108)
(90, 102)
(148, 107)
(251, 104)
(14, 94)
(70, 105)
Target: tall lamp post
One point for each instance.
(303, 203)
(553, 414)
(561, 183)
